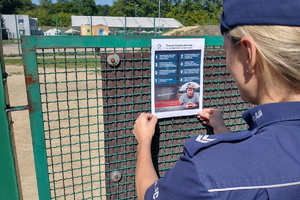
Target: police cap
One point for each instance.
(259, 12)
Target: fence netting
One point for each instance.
(89, 109)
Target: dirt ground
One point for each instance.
(212, 30)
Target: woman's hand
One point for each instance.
(145, 174)
(144, 128)
(213, 118)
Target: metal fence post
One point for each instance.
(36, 119)
(17, 32)
(8, 176)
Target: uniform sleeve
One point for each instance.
(180, 182)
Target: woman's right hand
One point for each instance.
(213, 118)
(144, 128)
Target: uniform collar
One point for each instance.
(262, 115)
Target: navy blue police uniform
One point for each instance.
(260, 163)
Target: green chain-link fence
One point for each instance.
(82, 112)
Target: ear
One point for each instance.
(250, 52)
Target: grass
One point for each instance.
(14, 61)
(9, 41)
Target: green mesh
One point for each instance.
(88, 112)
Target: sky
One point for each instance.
(101, 2)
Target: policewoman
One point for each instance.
(262, 45)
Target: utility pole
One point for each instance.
(135, 9)
(159, 14)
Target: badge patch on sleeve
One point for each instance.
(204, 139)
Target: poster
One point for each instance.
(176, 76)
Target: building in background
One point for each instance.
(94, 30)
(19, 25)
(122, 25)
(23, 25)
(100, 30)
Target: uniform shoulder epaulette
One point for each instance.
(198, 142)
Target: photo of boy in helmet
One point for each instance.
(190, 99)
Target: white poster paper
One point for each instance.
(176, 76)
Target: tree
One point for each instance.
(196, 12)
(177, 12)
(103, 10)
(196, 17)
(68, 7)
(146, 8)
(191, 12)
(141, 8)
(45, 3)
(123, 8)
(86, 7)
(63, 1)
(184, 11)
(4, 32)
(61, 19)
(43, 16)
(11, 6)
(214, 8)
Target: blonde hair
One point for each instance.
(278, 53)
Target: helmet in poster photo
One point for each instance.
(190, 86)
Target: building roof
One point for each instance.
(131, 22)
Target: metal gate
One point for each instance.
(8, 174)
(82, 111)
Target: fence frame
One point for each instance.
(8, 170)
(29, 46)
